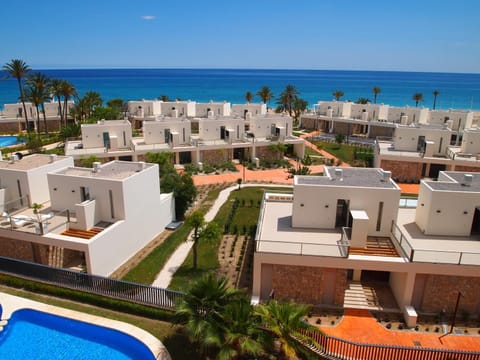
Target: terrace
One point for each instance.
(419, 247)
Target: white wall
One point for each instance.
(33, 182)
(406, 138)
(254, 108)
(154, 131)
(182, 108)
(261, 126)
(92, 134)
(209, 129)
(144, 108)
(310, 206)
(338, 108)
(373, 111)
(460, 119)
(218, 109)
(471, 141)
(414, 115)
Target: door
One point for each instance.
(166, 137)
(476, 222)
(106, 140)
(421, 143)
(342, 217)
(222, 132)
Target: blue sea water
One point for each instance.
(457, 91)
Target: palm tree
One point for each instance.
(284, 321)
(287, 99)
(68, 91)
(41, 83)
(92, 100)
(435, 94)
(202, 309)
(265, 94)
(299, 106)
(18, 69)
(417, 97)
(376, 90)
(201, 231)
(248, 97)
(34, 95)
(56, 89)
(337, 94)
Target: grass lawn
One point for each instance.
(345, 152)
(146, 271)
(245, 215)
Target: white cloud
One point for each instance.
(148, 17)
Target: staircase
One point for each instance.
(84, 234)
(355, 297)
(371, 296)
(55, 256)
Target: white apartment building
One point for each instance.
(95, 218)
(347, 228)
(254, 109)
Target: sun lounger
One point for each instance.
(20, 220)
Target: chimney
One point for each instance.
(53, 157)
(141, 165)
(96, 167)
(386, 175)
(339, 173)
(467, 179)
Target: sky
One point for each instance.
(403, 35)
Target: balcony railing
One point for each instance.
(432, 255)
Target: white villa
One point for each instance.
(90, 217)
(209, 139)
(346, 229)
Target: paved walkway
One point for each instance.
(358, 325)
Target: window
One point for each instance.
(84, 193)
(379, 216)
(112, 210)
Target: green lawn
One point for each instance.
(245, 215)
(345, 152)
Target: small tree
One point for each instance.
(239, 182)
(417, 97)
(202, 231)
(339, 138)
(248, 97)
(36, 210)
(376, 90)
(435, 94)
(337, 94)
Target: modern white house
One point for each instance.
(94, 219)
(254, 109)
(347, 229)
(418, 151)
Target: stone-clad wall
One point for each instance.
(306, 284)
(266, 153)
(213, 157)
(22, 250)
(403, 170)
(467, 168)
(441, 292)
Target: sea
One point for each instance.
(456, 90)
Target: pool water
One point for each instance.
(32, 334)
(9, 140)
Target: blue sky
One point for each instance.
(409, 35)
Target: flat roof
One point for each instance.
(29, 162)
(118, 170)
(457, 182)
(350, 177)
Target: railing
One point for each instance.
(117, 289)
(344, 242)
(432, 255)
(16, 204)
(302, 248)
(406, 202)
(343, 349)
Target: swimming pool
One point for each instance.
(10, 140)
(32, 334)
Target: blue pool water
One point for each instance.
(9, 140)
(32, 334)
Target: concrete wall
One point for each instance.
(471, 141)
(120, 133)
(316, 206)
(406, 138)
(210, 129)
(216, 109)
(254, 109)
(154, 131)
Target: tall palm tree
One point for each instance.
(18, 69)
(265, 94)
(201, 231)
(41, 83)
(287, 99)
(417, 97)
(68, 91)
(337, 94)
(248, 97)
(284, 321)
(33, 95)
(202, 310)
(92, 100)
(376, 90)
(56, 89)
(435, 94)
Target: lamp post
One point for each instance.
(455, 311)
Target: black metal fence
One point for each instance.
(336, 348)
(116, 289)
